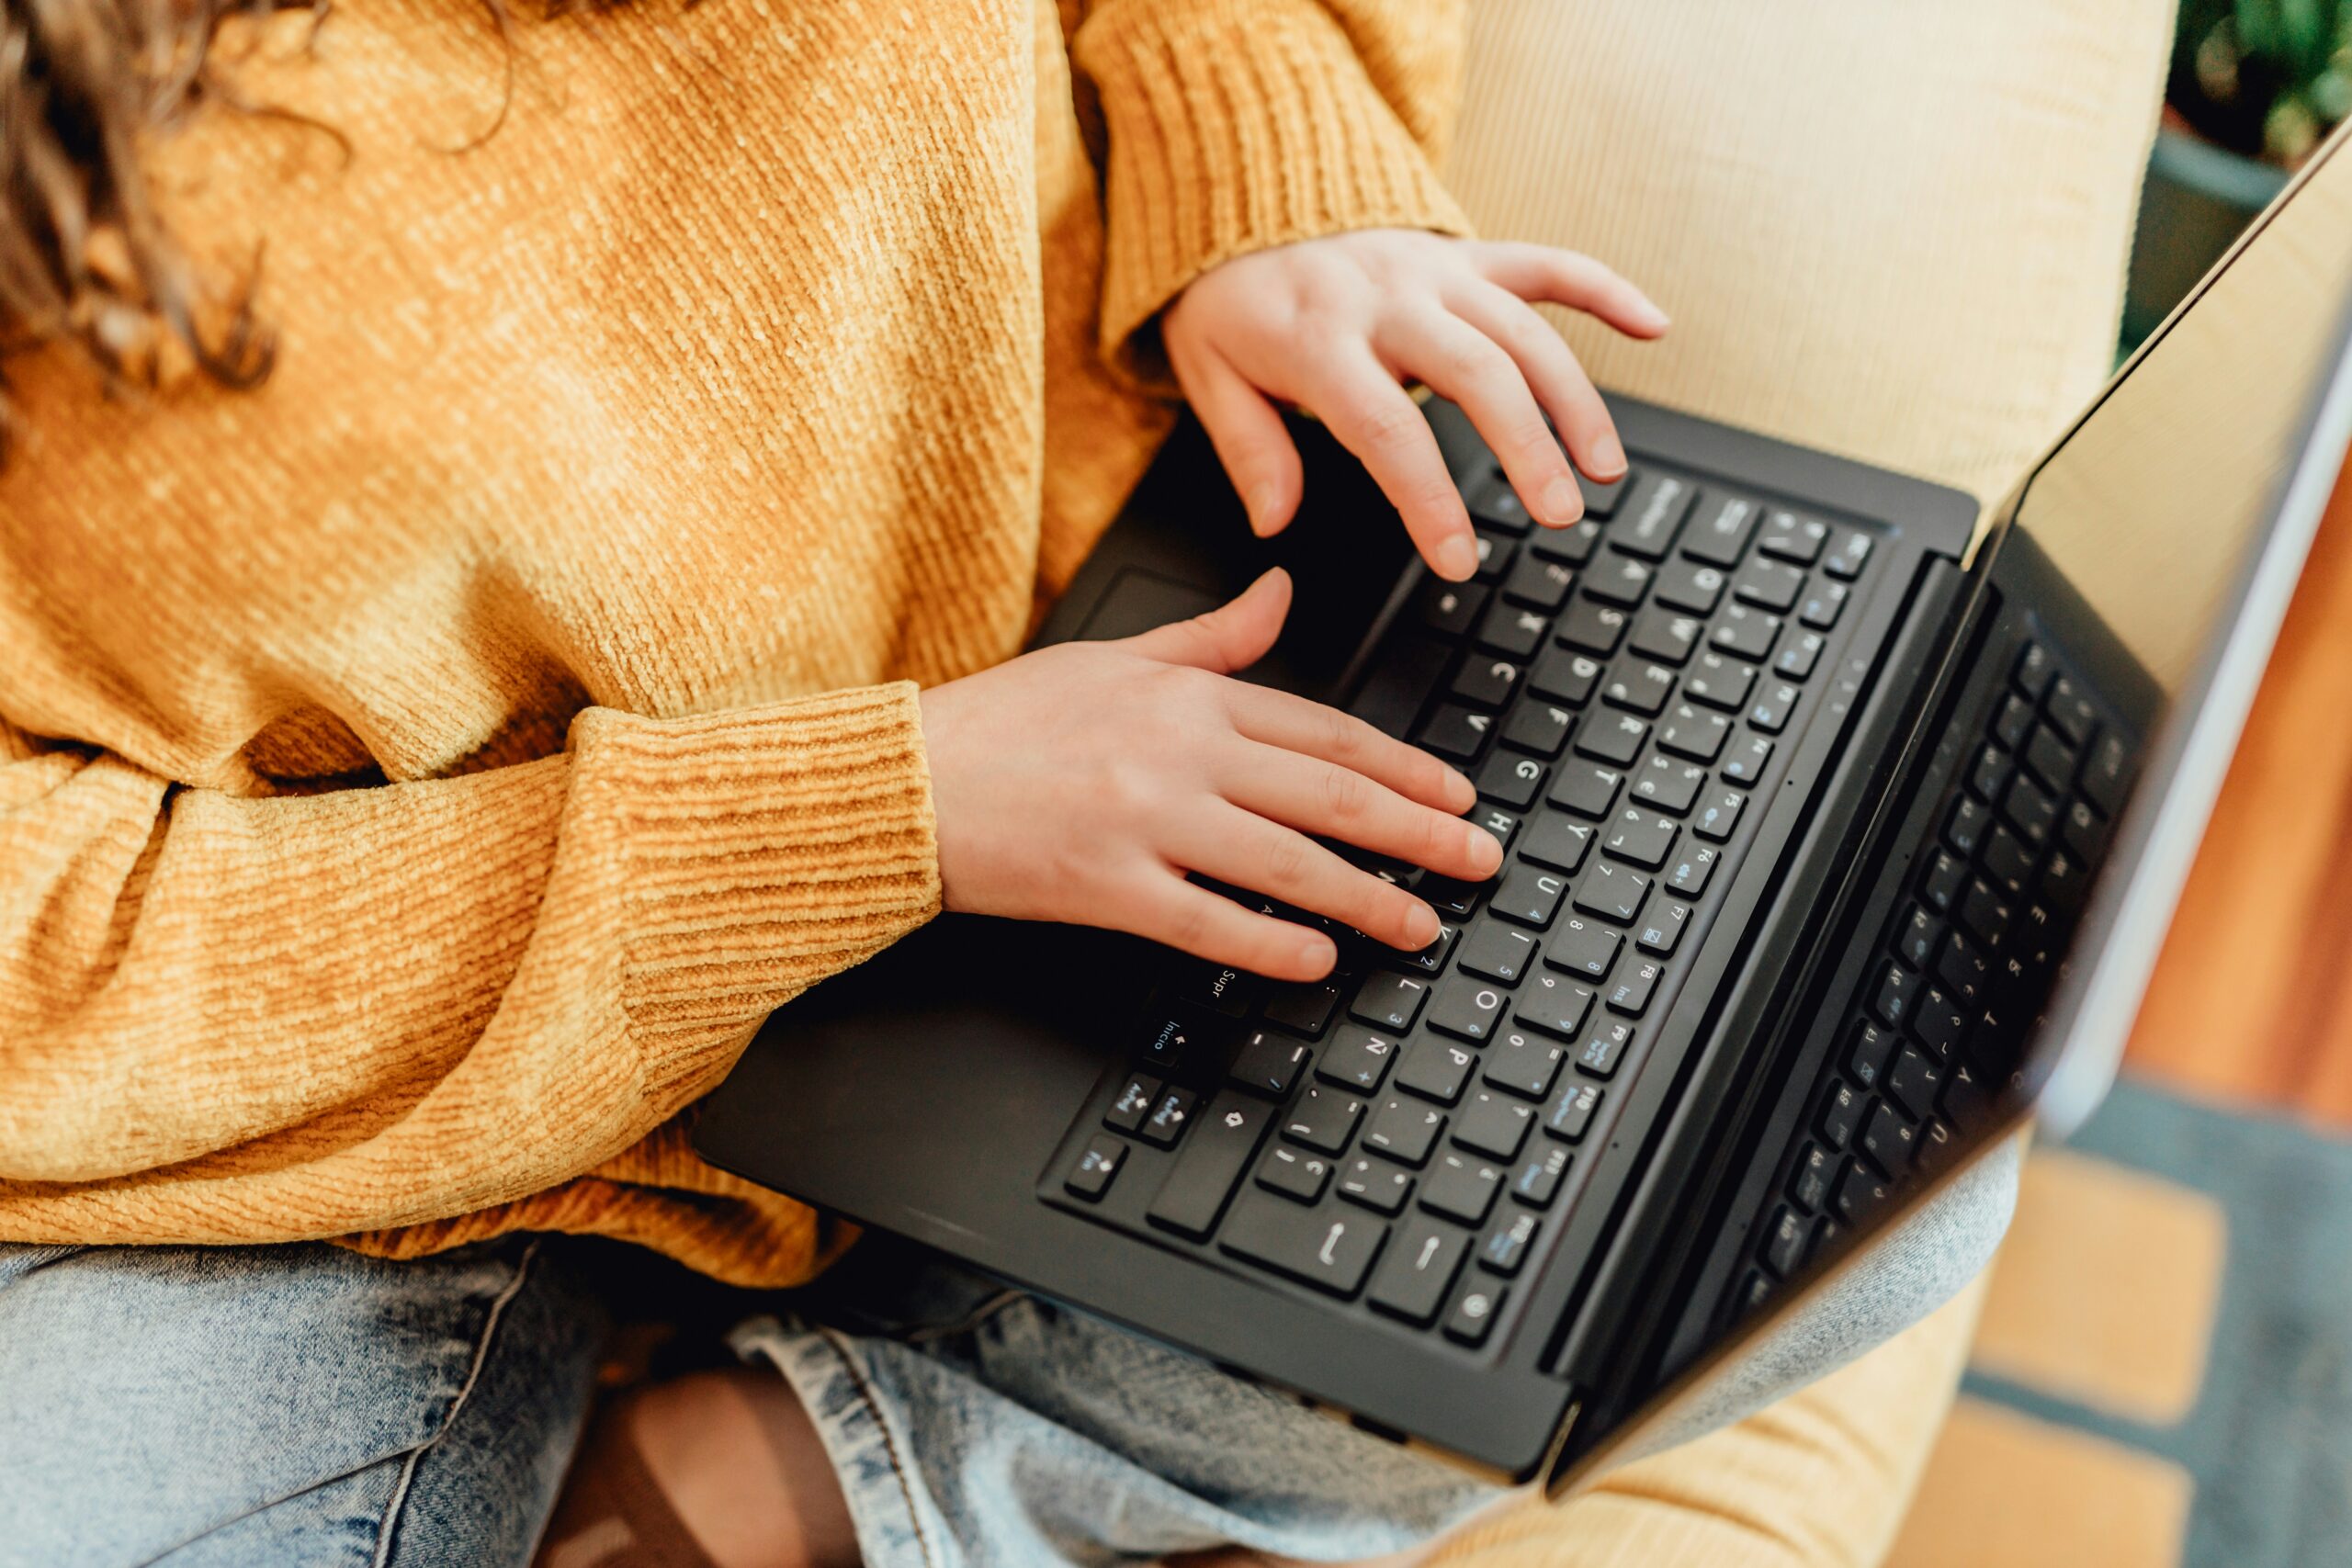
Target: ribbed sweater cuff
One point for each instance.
(1235, 125)
(764, 849)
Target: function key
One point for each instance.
(1133, 1103)
(1768, 584)
(1419, 1270)
(1604, 1047)
(1784, 1241)
(1945, 875)
(1570, 1116)
(1748, 759)
(1821, 607)
(1537, 1181)
(1915, 939)
(1097, 1164)
(1330, 1249)
(2075, 715)
(1798, 657)
(1688, 875)
(1792, 536)
(1506, 1245)
(1717, 816)
(2033, 670)
(1652, 514)
(1267, 1065)
(1841, 1115)
(1848, 555)
(1965, 829)
(1448, 608)
(1866, 1057)
(1473, 1318)
(1898, 988)
(1809, 1184)
(1990, 776)
(1633, 988)
(1769, 712)
(1497, 505)
(1720, 536)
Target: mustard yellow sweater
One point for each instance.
(419, 777)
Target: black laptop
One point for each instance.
(1838, 835)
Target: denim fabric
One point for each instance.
(299, 1406)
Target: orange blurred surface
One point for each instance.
(2252, 1000)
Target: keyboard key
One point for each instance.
(1402, 678)
(2033, 671)
(1861, 1192)
(1666, 636)
(1769, 712)
(1653, 514)
(1965, 972)
(1512, 630)
(1525, 1063)
(1540, 729)
(1484, 682)
(1379, 1187)
(1537, 1180)
(1586, 789)
(1724, 525)
(1500, 823)
(1170, 1114)
(1916, 938)
(1167, 1039)
(1507, 1245)
(1467, 1008)
(1841, 1116)
(2050, 759)
(1694, 732)
(1389, 1002)
(1784, 1241)
(1560, 842)
(1642, 837)
(1461, 1187)
(1866, 1053)
(2031, 809)
(2071, 712)
(1940, 1022)
(1687, 873)
(1133, 1103)
(1748, 633)
(1573, 545)
(1356, 1059)
(2085, 831)
(1661, 929)
(1718, 816)
(1748, 759)
(1514, 781)
(1720, 682)
(1639, 688)
(1592, 627)
(1452, 901)
(1612, 892)
(1097, 1164)
(1614, 738)
(1793, 537)
(1571, 1115)
(1605, 1047)
(1293, 1174)
(1670, 784)
(1496, 552)
(1446, 608)
(1848, 555)
(1768, 585)
(1602, 500)
(1474, 1315)
(1582, 947)
(1965, 829)
(1323, 1119)
(1631, 994)
(1685, 584)
(1304, 1008)
(1799, 655)
(1498, 953)
(1887, 1139)
(2107, 777)
(1821, 607)
(1496, 505)
(1210, 1166)
(1454, 731)
(1554, 1005)
(1419, 1270)
(1914, 1082)
(1564, 676)
(1897, 987)
(1990, 776)
(1528, 895)
(1405, 1129)
(1435, 1068)
(1330, 1249)
(1946, 874)
(1618, 579)
(1494, 1124)
(1809, 1185)
(2013, 722)
(2007, 861)
(1538, 583)
(1985, 913)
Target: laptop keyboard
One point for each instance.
(1407, 1135)
(1968, 960)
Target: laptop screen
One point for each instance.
(2181, 507)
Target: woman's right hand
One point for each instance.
(1080, 783)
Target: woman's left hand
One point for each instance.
(1336, 324)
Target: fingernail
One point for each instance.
(1457, 558)
(1563, 502)
(1609, 453)
(1318, 955)
(1421, 926)
(1459, 787)
(1260, 507)
(1485, 851)
(1657, 319)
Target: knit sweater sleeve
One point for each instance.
(233, 1019)
(1235, 125)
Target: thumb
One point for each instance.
(1232, 637)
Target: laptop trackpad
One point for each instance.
(1138, 601)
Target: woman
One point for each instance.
(427, 753)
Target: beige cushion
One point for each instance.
(1893, 231)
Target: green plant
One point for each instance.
(2264, 78)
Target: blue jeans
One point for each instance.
(307, 1406)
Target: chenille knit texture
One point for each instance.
(420, 775)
